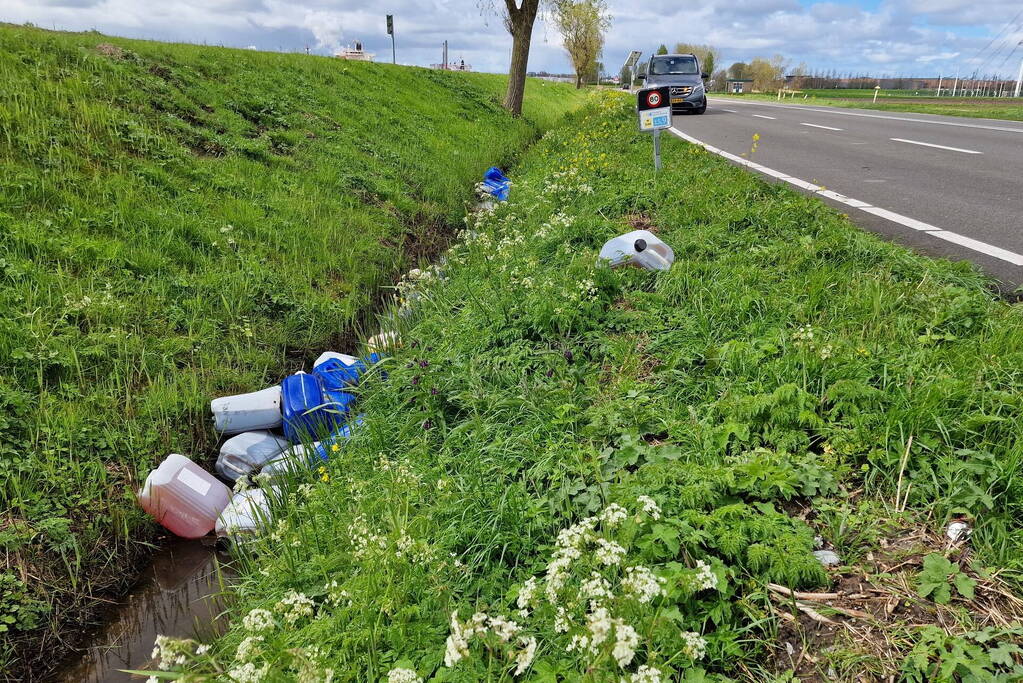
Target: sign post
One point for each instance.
(390, 32)
(652, 105)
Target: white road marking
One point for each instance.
(814, 125)
(840, 112)
(931, 144)
(933, 230)
(761, 116)
(730, 111)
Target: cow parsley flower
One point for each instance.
(650, 507)
(294, 606)
(248, 648)
(646, 674)
(248, 673)
(706, 579)
(613, 515)
(626, 640)
(525, 656)
(503, 628)
(403, 676)
(609, 552)
(694, 645)
(596, 587)
(642, 583)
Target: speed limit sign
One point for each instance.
(654, 109)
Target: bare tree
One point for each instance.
(519, 16)
(707, 54)
(582, 24)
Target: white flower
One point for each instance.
(457, 645)
(596, 587)
(642, 583)
(646, 674)
(202, 649)
(258, 620)
(403, 676)
(705, 576)
(527, 593)
(613, 515)
(248, 673)
(609, 552)
(525, 656)
(650, 507)
(172, 651)
(694, 645)
(294, 606)
(599, 625)
(248, 648)
(626, 640)
(503, 628)
(561, 621)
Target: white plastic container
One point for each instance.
(382, 342)
(327, 355)
(246, 412)
(183, 497)
(247, 513)
(639, 248)
(247, 452)
(295, 459)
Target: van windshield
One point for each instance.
(662, 66)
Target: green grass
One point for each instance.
(790, 376)
(1007, 108)
(182, 222)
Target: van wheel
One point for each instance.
(702, 109)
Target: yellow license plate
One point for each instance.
(678, 100)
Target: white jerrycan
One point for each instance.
(247, 452)
(327, 355)
(640, 248)
(246, 412)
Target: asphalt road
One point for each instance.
(946, 186)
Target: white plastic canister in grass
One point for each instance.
(247, 513)
(246, 412)
(294, 460)
(327, 355)
(183, 497)
(639, 248)
(247, 452)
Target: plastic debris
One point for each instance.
(328, 355)
(183, 497)
(245, 453)
(640, 248)
(497, 184)
(958, 531)
(247, 412)
(301, 457)
(307, 413)
(827, 557)
(247, 513)
(383, 342)
(335, 375)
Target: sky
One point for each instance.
(879, 37)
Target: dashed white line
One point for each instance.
(933, 230)
(761, 116)
(931, 144)
(814, 125)
(839, 112)
(730, 111)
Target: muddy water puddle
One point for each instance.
(180, 594)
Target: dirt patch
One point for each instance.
(641, 221)
(112, 51)
(862, 626)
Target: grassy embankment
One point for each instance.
(791, 377)
(1009, 109)
(178, 223)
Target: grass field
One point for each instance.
(1007, 108)
(576, 473)
(182, 222)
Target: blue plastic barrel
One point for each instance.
(497, 183)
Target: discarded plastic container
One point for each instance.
(247, 452)
(336, 375)
(247, 513)
(183, 497)
(496, 183)
(328, 355)
(307, 412)
(383, 342)
(246, 412)
(301, 457)
(639, 248)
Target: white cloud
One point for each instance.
(912, 37)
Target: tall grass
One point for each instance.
(182, 222)
(550, 423)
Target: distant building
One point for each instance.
(737, 86)
(460, 65)
(355, 53)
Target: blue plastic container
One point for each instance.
(307, 414)
(336, 375)
(326, 447)
(497, 183)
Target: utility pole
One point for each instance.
(390, 32)
(1019, 78)
(444, 57)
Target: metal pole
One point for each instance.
(954, 85)
(939, 86)
(657, 149)
(1019, 79)
(394, 56)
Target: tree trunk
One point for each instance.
(578, 81)
(520, 25)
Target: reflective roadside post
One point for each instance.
(390, 32)
(877, 89)
(652, 105)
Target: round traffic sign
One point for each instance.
(653, 98)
